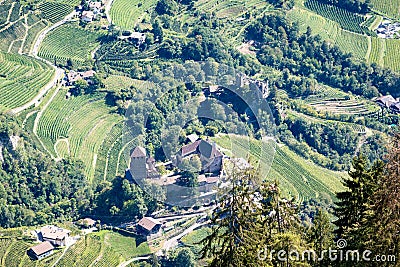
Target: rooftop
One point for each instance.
(138, 152)
(54, 233)
(148, 223)
(42, 248)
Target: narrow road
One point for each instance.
(107, 10)
(173, 242)
(59, 73)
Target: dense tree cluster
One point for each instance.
(254, 220)
(324, 138)
(283, 47)
(34, 189)
(122, 200)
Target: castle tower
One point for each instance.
(138, 163)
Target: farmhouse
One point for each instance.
(149, 226)
(141, 166)
(388, 29)
(74, 76)
(137, 37)
(210, 157)
(395, 108)
(88, 16)
(55, 235)
(40, 251)
(389, 102)
(385, 101)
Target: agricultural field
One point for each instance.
(77, 127)
(127, 13)
(21, 78)
(111, 157)
(13, 253)
(356, 44)
(55, 11)
(69, 42)
(328, 99)
(233, 14)
(115, 82)
(384, 52)
(20, 27)
(347, 20)
(369, 48)
(387, 7)
(103, 249)
(298, 177)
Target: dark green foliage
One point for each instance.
(284, 47)
(35, 189)
(353, 204)
(168, 7)
(121, 200)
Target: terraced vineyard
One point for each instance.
(347, 20)
(392, 55)
(79, 124)
(102, 249)
(327, 99)
(387, 7)
(54, 11)
(13, 253)
(21, 78)
(233, 13)
(69, 42)
(369, 48)
(127, 13)
(298, 178)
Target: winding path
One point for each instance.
(107, 10)
(59, 73)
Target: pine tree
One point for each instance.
(321, 235)
(354, 204)
(382, 226)
(233, 240)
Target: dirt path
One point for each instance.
(107, 10)
(59, 73)
(9, 14)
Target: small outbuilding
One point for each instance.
(149, 226)
(40, 251)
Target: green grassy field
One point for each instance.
(125, 246)
(347, 20)
(77, 127)
(69, 42)
(21, 78)
(102, 249)
(127, 13)
(298, 177)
